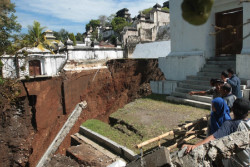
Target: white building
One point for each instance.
(36, 63)
(192, 45)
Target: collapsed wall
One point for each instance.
(51, 100)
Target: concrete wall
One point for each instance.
(246, 28)
(177, 67)
(95, 53)
(152, 50)
(50, 64)
(243, 66)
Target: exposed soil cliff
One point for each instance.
(53, 99)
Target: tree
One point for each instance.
(72, 38)
(146, 11)
(93, 23)
(8, 24)
(35, 33)
(103, 20)
(109, 19)
(79, 37)
(62, 35)
(118, 23)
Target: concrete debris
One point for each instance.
(158, 157)
(216, 149)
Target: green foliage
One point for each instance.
(27, 77)
(8, 24)
(165, 9)
(93, 23)
(94, 35)
(23, 68)
(118, 23)
(113, 40)
(62, 35)
(79, 37)
(1, 64)
(72, 38)
(1, 81)
(146, 11)
(35, 33)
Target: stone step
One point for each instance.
(209, 74)
(200, 78)
(223, 58)
(193, 86)
(193, 103)
(196, 82)
(206, 99)
(223, 66)
(228, 63)
(213, 69)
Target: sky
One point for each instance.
(73, 15)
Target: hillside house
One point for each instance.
(146, 28)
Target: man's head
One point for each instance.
(230, 72)
(224, 75)
(218, 84)
(241, 108)
(226, 89)
(212, 82)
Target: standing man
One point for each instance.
(234, 81)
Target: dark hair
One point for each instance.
(230, 70)
(219, 81)
(213, 81)
(225, 74)
(227, 87)
(240, 108)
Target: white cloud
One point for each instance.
(73, 14)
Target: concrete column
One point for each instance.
(246, 28)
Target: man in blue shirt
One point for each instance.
(234, 81)
(240, 109)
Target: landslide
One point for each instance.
(16, 129)
(52, 100)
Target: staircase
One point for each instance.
(200, 82)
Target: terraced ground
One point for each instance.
(145, 118)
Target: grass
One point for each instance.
(113, 134)
(150, 117)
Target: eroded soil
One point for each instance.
(51, 100)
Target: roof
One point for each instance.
(48, 31)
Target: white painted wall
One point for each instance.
(246, 28)
(152, 50)
(95, 53)
(177, 67)
(50, 64)
(192, 45)
(186, 37)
